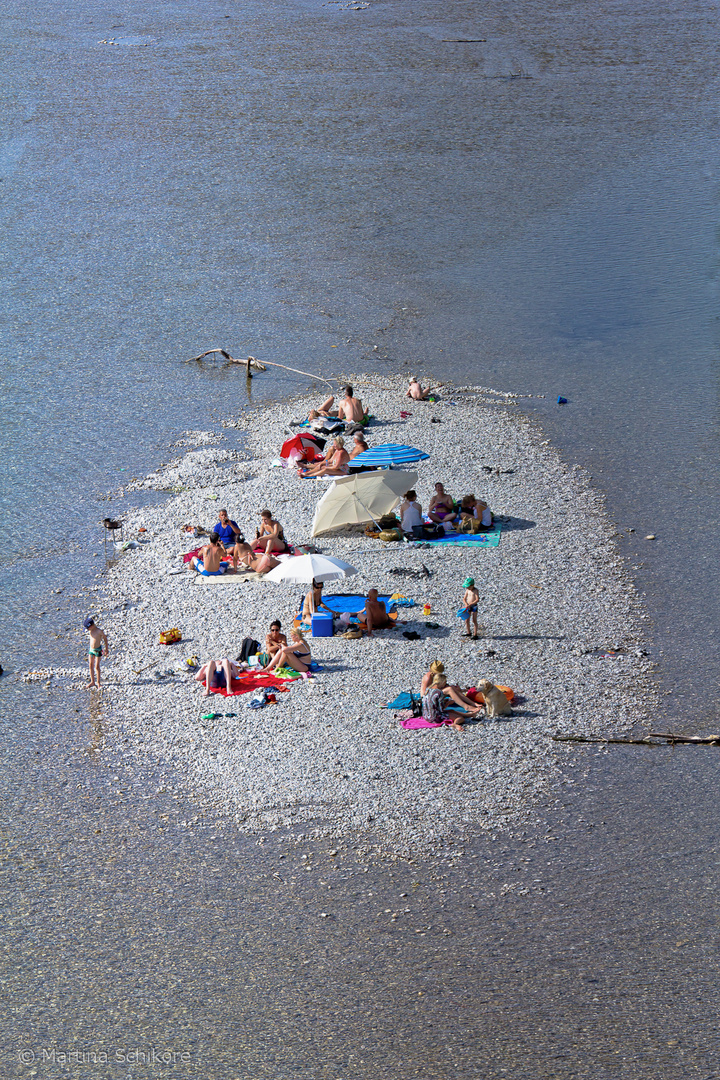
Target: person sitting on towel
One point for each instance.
(411, 517)
(375, 615)
(274, 639)
(269, 537)
(351, 408)
(450, 691)
(296, 655)
(217, 675)
(360, 445)
(335, 462)
(313, 602)
(245, 558)
(228, 531)
(211, 562)
(442, 507)
(434, 704)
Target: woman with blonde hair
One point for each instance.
(335, 462)
(296, 655)
(434, 704)
(453, 692)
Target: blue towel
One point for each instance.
(403, 701)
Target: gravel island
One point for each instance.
(562, 626)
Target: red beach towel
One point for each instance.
(248, 682)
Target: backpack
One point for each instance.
(248, 648)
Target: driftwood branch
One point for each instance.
(659, 737)
(251, 362)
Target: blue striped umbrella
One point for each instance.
(389, 454)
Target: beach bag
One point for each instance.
(169, 637)
(388, 521)
(248, 648)
(415, 704)
(351, 634)
(390, 534)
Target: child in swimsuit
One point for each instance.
(98, 644)
(470, 598)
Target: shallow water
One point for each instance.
(306, 182)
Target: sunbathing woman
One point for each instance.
(442, 507)
(274, 640)
(245, 558)
(335, 462)
(434, 704)
(453, 692)
(269, 537)
(296, 655)
(217, 674)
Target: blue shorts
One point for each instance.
(211, 573)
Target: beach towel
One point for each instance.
(486, 540)
(404, 700)
(247, 682)
(412, 723)
(349, 602)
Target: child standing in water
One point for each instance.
(470, 598)
(98, 643)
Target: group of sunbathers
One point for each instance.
(469, 513)
(227, 547)
(219, 674)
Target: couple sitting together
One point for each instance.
(227, 546)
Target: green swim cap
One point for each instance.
(468, 582)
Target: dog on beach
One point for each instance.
(496, 704)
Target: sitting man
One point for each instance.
(211, 562)
(351, 409)
(228, 531)
(375, 615)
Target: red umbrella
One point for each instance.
(302, 447)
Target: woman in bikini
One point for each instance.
(269, 537)
(274, 639)
(296, 655)
(442, 507)
(245, 558)
(335, 463)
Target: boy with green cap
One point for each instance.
(470, 599)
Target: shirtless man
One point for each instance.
(211, 559)
(376, 617)
(351, 409)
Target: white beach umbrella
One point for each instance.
(352, 500)
(302, 569)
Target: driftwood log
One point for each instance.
(251, 363)
(653, 738)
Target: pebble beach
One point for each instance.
(562, 625)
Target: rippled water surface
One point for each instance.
(337, 187)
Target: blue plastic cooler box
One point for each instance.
(321, 625)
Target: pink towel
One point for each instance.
(414, 722)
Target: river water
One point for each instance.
(340, 187)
